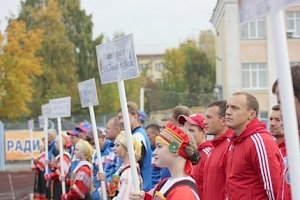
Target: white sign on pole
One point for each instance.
(46, 110)
(30, 124)
(88, 93)
(117, 59)
(41, 121)
(252, 9)
(60, 107)
(289, 2)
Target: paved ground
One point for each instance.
(16, 183)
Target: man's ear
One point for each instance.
(252, 114)
(223, 121)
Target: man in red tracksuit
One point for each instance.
(276, 129)
(214, 173)
(253, 159)
(285, 183)
(195, 124)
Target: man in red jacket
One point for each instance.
(214, 173)
(276, 129)
(253, 160)
(295, 73)
(195, 124)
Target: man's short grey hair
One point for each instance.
(52, 132)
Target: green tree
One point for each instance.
(198, 71)
(187, 69)
(59, 77)
(173, 76)
(108, 98)
(79, 28)
(207, 45)
(18, 65)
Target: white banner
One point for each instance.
(46, 110)
(117, 60)
(252, 9)
(60, 107)
(88, 93)
(290, 2)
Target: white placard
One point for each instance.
(46, 110)
(30, 124)
(60, 107)
(88, 93)
(252, 9)
(289, 2)
(117, 60)
(41, 121)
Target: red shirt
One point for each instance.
(253, 165)
(214, 173)
(284, 191)
(204, 150)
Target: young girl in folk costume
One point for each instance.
(81, 178)
(122, 184)
(54, 176)
(175, 150)
(39, 169)
(105, 150)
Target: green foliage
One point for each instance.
(173, 76)
(188, 68)
(108, 98)
(59, 77)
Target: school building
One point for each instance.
(245, 53)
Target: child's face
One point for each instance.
(119, 149)
(163, 157)
(78, 153)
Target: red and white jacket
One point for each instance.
(169, 190)
(40, 162)
(204, 150)
(81, 181)
(57, 172)
(214, 170)
(253, 165)
(284, 191)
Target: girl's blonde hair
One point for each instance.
(86, 149)
(137, 145)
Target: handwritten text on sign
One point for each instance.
(117, 59)
(88, 93)
(60, 107)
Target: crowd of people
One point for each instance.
(245, 160)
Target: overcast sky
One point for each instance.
(156, 24)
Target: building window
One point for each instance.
(254, 30)
(263, 116)
(142, 66)
(293, 23)
(158, 66)
(254, 76)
